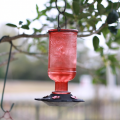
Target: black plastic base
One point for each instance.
(60, 100)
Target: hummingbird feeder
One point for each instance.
(61, 64)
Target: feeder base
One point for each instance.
(60, 100)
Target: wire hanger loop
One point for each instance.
(63, 13)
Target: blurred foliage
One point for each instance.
(29, 70)
(84, 16)
(23, 69)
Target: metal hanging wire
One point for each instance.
(5, 79)
(63, 13)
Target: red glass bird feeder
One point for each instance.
(61, 66)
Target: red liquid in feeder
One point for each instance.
(62, 59)
(61, 79)
(62, 75)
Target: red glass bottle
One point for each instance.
(62, 58)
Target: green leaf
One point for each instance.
(84, 15)
(101, 9)
(111, 5)
(42, 48)
(28, 22)
(100, 75)
(51, 1)
(105, 31)
(101, 71)
(91, 8)
(95, 43)
(71, 22)
(93, 21)
(94, 81)
(11, 25)
(82, 1)
(112, 17)
(113, 69)
(51, 19)
(99, 1)
(43, 42)
(112, 58)
(68, 5)
(86, 1)
(103, 81)
(20, 22)
(29, 46)
(41, 13)
(68, 15)
(113, 29)
(80, 23)
(36, 30)
(101, 51)
(113, 62)
(109, 43)
(117, 37)
(25, 27)
(114, 48)
(76, 6)
(37, 8)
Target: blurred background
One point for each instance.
(96, 83)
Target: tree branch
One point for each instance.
(6, 61)
(37, 55)
(86, 6)
(8, 39)
(6, 53)
(97, 31)
(25, 52)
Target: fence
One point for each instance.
(89, 110)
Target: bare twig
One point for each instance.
(6, 61)
(97, 31)
(86, 6)
(25, 52)
(37, 55)
(6, 53)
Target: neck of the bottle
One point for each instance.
(61, 88)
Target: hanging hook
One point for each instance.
(5, 82)
(63, 13)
